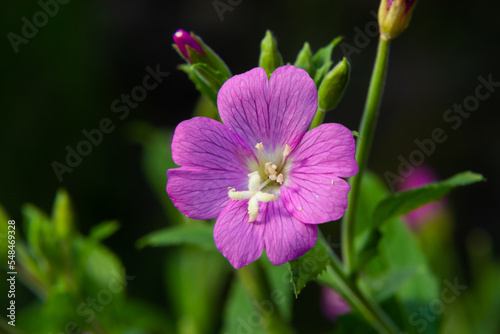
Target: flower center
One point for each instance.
(253, 194)
(271, 172)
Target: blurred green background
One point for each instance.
(65, 78)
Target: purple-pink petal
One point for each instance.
(274, 112)
(314, 193)
(316, 199)
(329, 148)
(286, 238)
(202, 193)
(238, 240)
(204, 143)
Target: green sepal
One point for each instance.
(210, 58)
(322, 60)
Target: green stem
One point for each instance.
(255, 283)
(337, 279)
(366, 131)
(318, 118)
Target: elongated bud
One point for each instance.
(205, 68)
(305, 60)
(62, 215)
(394, 17)
(270, 58)
(333, 86)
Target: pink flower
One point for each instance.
(332, 304)
(422, 176)
(266, 179)
(182, 39)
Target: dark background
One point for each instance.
(65, 78)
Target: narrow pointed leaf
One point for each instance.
(401, 203)
(197, 235)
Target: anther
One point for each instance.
(287, 151)
(260, 147)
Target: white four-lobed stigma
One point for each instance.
(253, 194)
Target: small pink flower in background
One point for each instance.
(332, 304)
(422, 176)
(182, 39)
(267, 180)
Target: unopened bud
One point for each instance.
(394, 17)
(333, 86)
(270, 58)
(207, 70)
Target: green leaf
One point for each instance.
(310, 265)
(104, 230)
(401, 203)
(280, 286)
(372, 192)
(387, 284)
(43, 247)
(200, 235)
(156, 160)
(397, 250)
(385, 254)
(195, 283)
(98, 267)
(239, 313)
(322, 61)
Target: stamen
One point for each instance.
(260, 147)
(253, 194)
(279, 179)
(270, 169)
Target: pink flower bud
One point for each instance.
(182, 39)
(394, 17)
